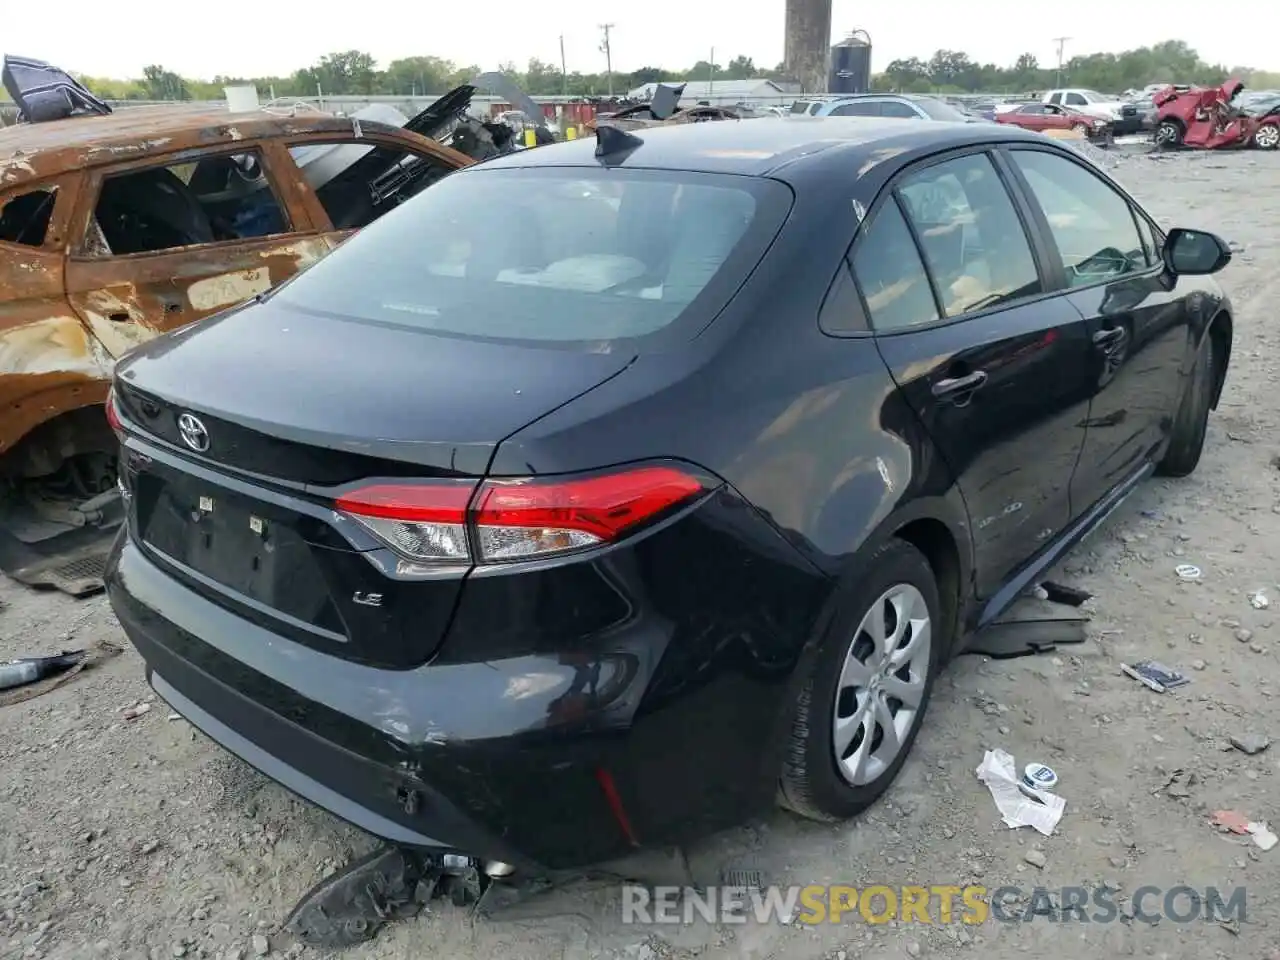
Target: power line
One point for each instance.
(607, 49)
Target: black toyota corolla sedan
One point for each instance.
(604, 494)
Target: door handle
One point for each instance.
(1104, 338)
(959, 385)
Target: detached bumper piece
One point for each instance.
(387, 885)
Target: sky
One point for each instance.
(275, 38)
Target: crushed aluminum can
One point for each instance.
(1258, 600)
(1039, 776)
(1187, 571)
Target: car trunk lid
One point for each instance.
(234, 463)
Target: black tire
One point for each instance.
(810, 784)
(1169, 133)
(1267, 136)
(1192, 420)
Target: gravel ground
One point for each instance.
(138, 838)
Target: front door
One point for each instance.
(159, 245)
(992, 365)
(1138, 326)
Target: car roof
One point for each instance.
(770, 145)
(35, 150)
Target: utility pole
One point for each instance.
(1061, 42)
(607, 49)
(711, 75)
(564, 70)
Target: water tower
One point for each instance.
(851, 64)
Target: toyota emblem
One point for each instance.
(194, 435)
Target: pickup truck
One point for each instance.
(1123, 117)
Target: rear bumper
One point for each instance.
(566, 749)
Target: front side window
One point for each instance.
(25, 218)
(1092, 225)
(800, 106)
(575, 256)
(973, 240)
(1075, 100)
(356, 183)
(887, 267)
(1034, 109)
(218, 198)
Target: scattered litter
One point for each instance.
(1155, 675)
(173, 716)
(1036, 858)
(1258, 600)
(1230, 820)
(137, 710)
(1250, 743)
(1262, 835)
(1187, 571)
(1019, 806)
(1039, 776)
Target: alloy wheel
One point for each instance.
(882, 684)
(1167, 133)
(1268, 136)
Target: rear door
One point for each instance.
(955, 287)
(1137, 322)
(159, 244)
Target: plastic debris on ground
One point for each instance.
(1155, 675)
(1188, 571)
(1019, 805)
(1235, 822)
(1258, 600)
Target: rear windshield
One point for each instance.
(569, 255)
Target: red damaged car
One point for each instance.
(1213, 118)
(1052, 116)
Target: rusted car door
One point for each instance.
(161, 243)
(342, 196)
(48, 365)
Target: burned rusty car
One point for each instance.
(116, 227)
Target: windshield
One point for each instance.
(563, 255)
(1094, 96)
(937, 110)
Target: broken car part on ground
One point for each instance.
(605, 608)
(118, 227)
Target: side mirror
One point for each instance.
(1195, 252)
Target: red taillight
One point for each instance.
(113, 414)
(515, 519)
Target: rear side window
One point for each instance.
(892, 108)
(215, 199)
(25, 218)
(972, 237)
(1092, 225)
(554, 254)
(893, 281)
(862, 109)
(800, 106)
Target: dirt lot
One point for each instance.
(138, 838)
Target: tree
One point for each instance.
(741, 68)
(418, 76)
(162, 84)
(339, 74)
